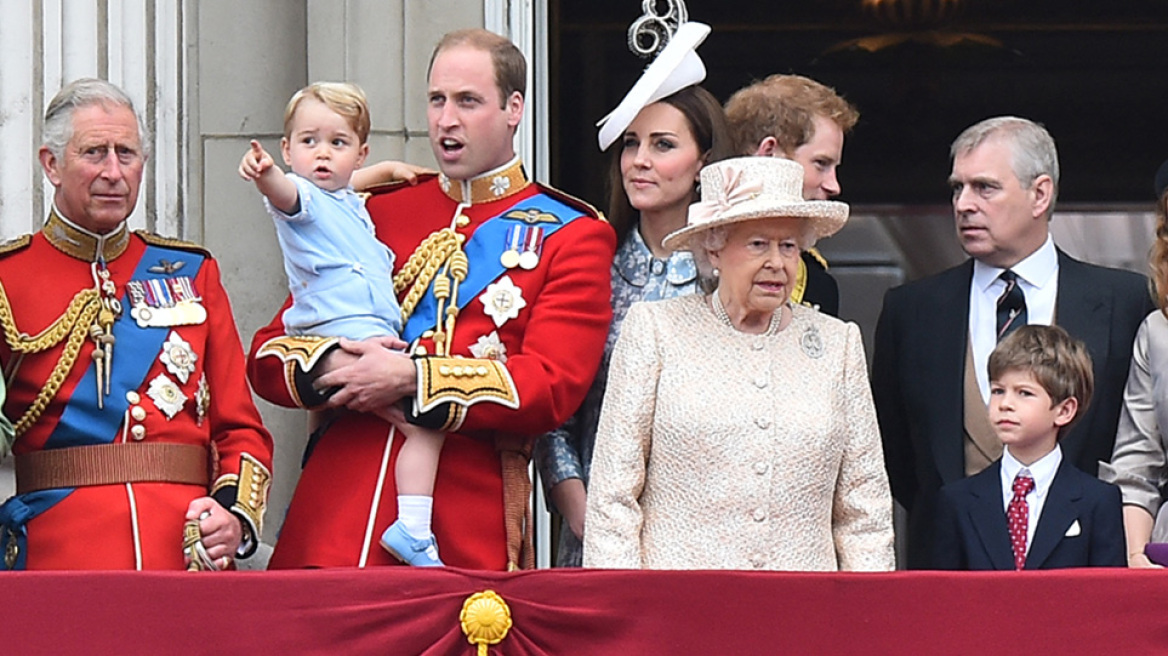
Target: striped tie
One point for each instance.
(1011, 305)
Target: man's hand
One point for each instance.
(371, 375)
(222, 531)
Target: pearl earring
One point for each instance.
(716, 272)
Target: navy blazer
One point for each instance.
(918, 377)
(972, 532)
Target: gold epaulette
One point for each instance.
(155, 239)
(388, 187)
(15, 244)
(814, 252)
(584, 206)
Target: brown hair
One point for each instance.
(344, 98)
(1059, 363)
(510, 64)
(784, 107)
(703, 113)
(1159, 256)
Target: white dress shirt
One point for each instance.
(1042, 471)
(1038, 278)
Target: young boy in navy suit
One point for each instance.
(1031, 509)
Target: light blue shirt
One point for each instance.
(340, 275)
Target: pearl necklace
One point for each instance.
(720, 312)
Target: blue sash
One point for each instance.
(82, 423)
(482, 253)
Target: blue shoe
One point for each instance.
(409, 550)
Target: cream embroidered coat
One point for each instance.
(723, 450)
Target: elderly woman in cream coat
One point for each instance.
(738, 430)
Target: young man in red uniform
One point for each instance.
(125, 371)
(506, 293)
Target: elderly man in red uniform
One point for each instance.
(125, 372)
(505, 286)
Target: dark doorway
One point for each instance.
(1096, 74)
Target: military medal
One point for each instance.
(165, 302)
(178, 357)
(502, 301)
(510, 257)
(532, 244)
(166, 395)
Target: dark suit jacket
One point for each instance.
(972, 530)
(918, 373)
(822, 289)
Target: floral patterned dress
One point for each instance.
(567, 452)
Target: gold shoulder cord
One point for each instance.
(441, 250)
(73, 325)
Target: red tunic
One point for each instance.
(94, 527)
(552, 349)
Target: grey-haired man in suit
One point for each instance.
(935, 335)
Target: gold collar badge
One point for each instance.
(501, 183)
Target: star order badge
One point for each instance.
(178, 356)
(489, 347)
(166, 395)
(502, 301)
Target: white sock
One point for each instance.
(414, 511)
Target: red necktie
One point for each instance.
(1018, 515)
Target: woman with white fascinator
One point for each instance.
(738, 430)
(665, 130)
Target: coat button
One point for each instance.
(759, 515)
(763, 423)
(760, 467)
(760, 383)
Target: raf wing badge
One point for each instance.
(532, 215)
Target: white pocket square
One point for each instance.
(1074, 530)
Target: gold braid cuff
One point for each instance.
(72, 327)
(463, 382)
(252, 485)
(304, 350)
